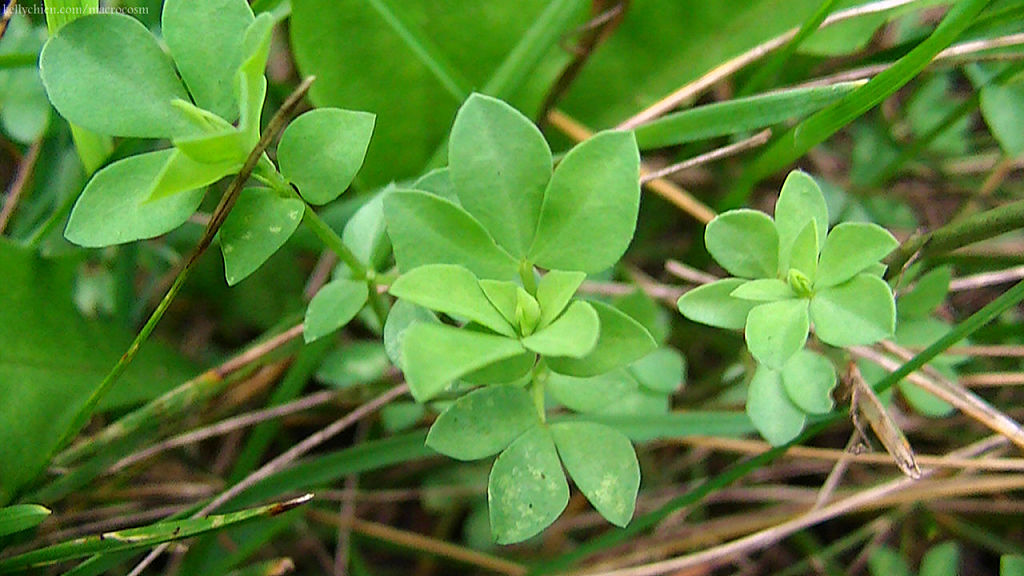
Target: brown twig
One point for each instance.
(754, 141)
(18, 185)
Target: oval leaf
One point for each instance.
(663, 370)
(321, 151)
(554, 291)
(181, 173)
(335, 305)
(452, 290)
(856, 313)
(500, 164)
(850, 248)
(426, 229)
(366, 234)
(770, 409)
(603, 464)
(926, 295)
(622, 341)
(106, 72)
(574, 334)
(601, 394)
(257, 226)
(402, 315)
(14, 519)
(713, 304)
(777, 330)
(590, 206)
(744, 242)
(526, 490)
(809, 379)
(434, 355)
(114, 207)
(800, 202)
(483, 422)
(764, 290)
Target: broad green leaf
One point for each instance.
(114, 207)
(926, 295)
(744, 242)
(639, 306)
(713, 304)
(737, 116)
(663, 370)
(14, 519)
(776, 331)
(941, 560)
(849, 249)
(809, 379)
(800, 201)
(602, 463)
(181, 174)
(321, 151)
(140, 538)
(858, 312)
(439, 183)
(205, 39)
(228, 145)
(106, 73)
(52, 358)
(366, 233)
(885, 561)
(590, 206)
(554, 291)
(24, 107)
(250, 83)
(573, 334)
(526, 490)
(500, 165)
(1001, 107)
(504, 296)
(483, 422)
(764, 290)
(434, 355)
(803, 254)
(401, 416)
(354, 363)
(507, 371)
(426, 229)
(621, 342)
(924, 402)
(452, 290)
(601, 394)
(774, 415)
(335, 305)
(257, 226)
(1011, 565)
(402, 315)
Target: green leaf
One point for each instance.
(850, 248)
(608, 393)
(426, 229)
(228, 145)
(924, 402)
(322, 150)
(500, 165)
(647, 311)
(800, 202)
(114, 207)
(803, 254)
(140, 538)
(941, 560)
(452, 290)
(402, 315)
(509, 371)
(809, 378)
(663, 370)
(504, 296)
(434, 355)
(366, 233)
(858, 312)
(106, 73)
(744, 242)
(439, 183)
(926, 295)
(257, 226)
(1011, 565)
(738, 116)
(483, 422)
(250, 83)
(714, 305)
(621, 342)
(885, 561)
(181, 174)
(776, 331)
(354, 363)
(602, 463)
(590, 206)
(1001, 106)
(401, 416)
(526, 490)
(554, 291)
(774, 415)
(764, 290)
(14, 519)
(205, 39)
(573, 334)
(334, 306)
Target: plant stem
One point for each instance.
(220, 214)
(538, 378)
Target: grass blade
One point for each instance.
(21, 517)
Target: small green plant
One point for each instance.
(792, 273)
(940, 560)
(467, 241)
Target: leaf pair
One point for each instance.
(779, 401)
(507, 328)
(643, 387)
(527, 489)
(504, 206)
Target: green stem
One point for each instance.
(969, 230)
(538, 379)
